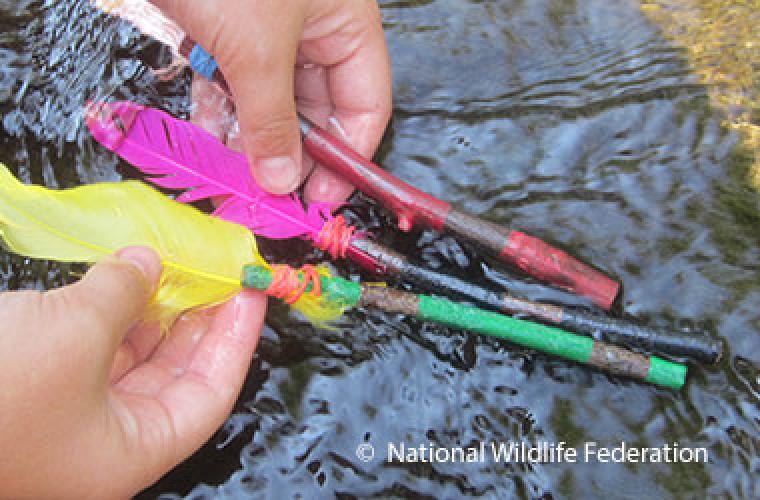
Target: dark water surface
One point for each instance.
(573, 119)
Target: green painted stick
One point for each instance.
(547, 339)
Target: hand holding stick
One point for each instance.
(412, 206)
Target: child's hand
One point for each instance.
(325, 57)
(92, 406)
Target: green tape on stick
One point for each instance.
(334, 289)
(532, 335)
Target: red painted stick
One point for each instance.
(412, 206)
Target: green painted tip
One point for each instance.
(666, 374)
(256, 277)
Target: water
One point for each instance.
(576, 120)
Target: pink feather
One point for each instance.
(180, 155)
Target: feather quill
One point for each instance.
(202, 256)
(180, 155)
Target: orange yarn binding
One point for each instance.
(335, 237)
(288, 285)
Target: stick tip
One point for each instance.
(256, 277)
(666, 374)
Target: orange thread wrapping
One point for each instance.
(335, 237)
(288, 285)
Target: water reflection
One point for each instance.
(576, 120)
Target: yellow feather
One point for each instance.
(202, 256)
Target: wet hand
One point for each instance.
(94, 404)
(326, 58)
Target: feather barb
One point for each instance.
(202, 256)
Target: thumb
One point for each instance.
(263, 86)
(112, 297)
(258, 61)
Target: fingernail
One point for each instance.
(144, 259)
(247, 306)
(326, 189)
(321, 190)
(279, 175)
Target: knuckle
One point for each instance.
(273, 135)
(129, 279)
(74, 309)
(245, 59)
(23, 304)
(91, 303)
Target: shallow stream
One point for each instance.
(575, 120)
